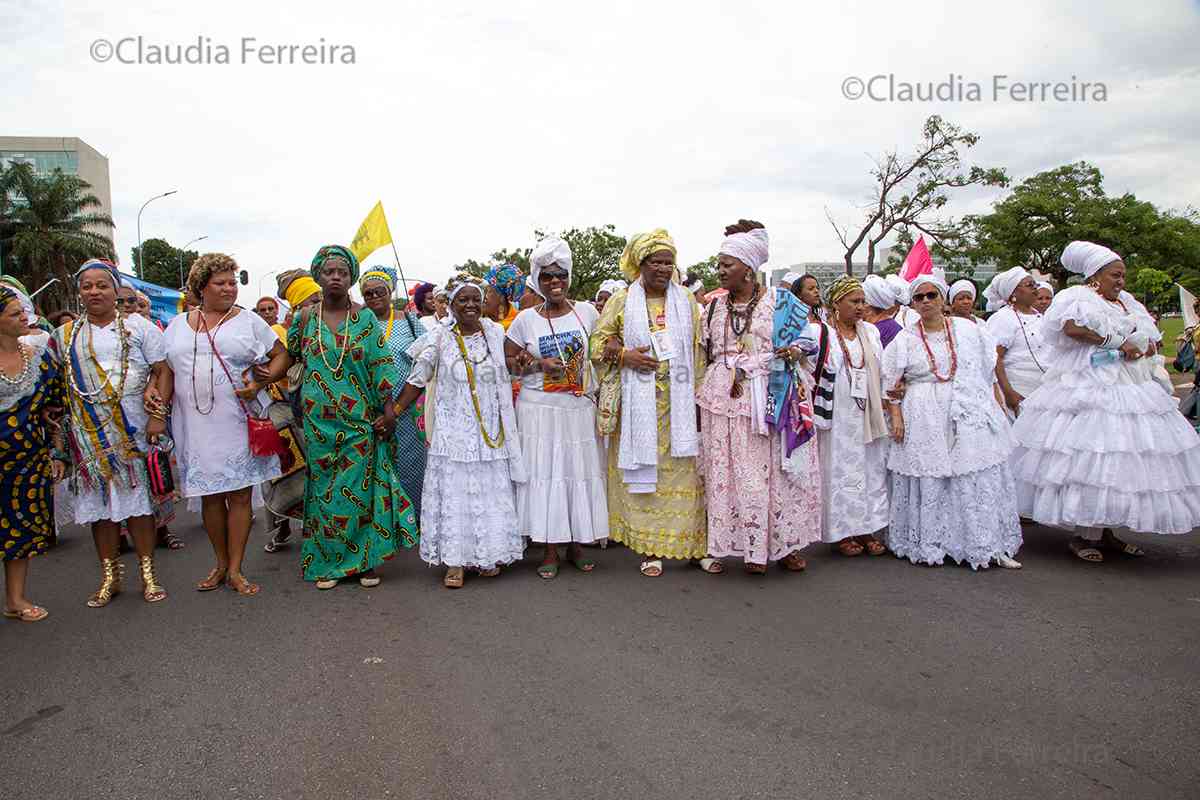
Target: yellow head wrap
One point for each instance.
(300, 290)
(842, 286)
(641, 246)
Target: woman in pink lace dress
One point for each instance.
(756, 511)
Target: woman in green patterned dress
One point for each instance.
(355, 511)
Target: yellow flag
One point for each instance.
(372, 234)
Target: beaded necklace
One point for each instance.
(212, 389)
(105, 388)
(497, 443)
(25, 362)
(929, 352)
(554, 338)
(321, 339)
(1028, 346)
(858, 401)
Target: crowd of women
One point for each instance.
(746, 423)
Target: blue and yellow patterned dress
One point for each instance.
(26, 485)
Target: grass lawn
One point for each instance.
(1171, 327)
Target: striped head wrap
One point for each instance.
(99, 263)
(385, 274)
(842, 286)
(462, 281)
(334, 251)
(7, 295)
(641, 247)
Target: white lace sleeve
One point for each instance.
(895, 359)
(426, 358)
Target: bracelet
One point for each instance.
(621, 358)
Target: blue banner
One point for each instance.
(164, 303)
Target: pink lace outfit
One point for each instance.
(756, 511)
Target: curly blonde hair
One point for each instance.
(204, 267)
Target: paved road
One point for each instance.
(859, 679)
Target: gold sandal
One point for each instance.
(454, 578)
(152, 590)
(111, 572)
(213, 581)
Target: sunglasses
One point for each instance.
(552, 276)
(924, 296)
(372, 294)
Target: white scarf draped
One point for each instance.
(637, 457)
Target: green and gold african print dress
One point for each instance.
(26, 485)
(355, 511)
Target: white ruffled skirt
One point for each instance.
(565, 498)
(468, 517)
(1112, 453)
(969, 518)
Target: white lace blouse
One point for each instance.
(950, 428)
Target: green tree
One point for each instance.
(162, 262)
(706, 270)
(1153, 287)
(910, 191)
(50, 227)
(1045, 212)
(595, 256)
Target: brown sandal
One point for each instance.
(213, 581)
(239, 584)
(873, 546)
(849, 548)
(795, 563)
(756, 569)
(454, 578)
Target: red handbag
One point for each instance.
(264, 439)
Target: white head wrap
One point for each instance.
(1087, 258)
(960, 286)
(1002, 286)
(791, 278)
(551, 250)
(901, 288)
(1046, 285)
(937, 278)
(749, 248)
(880, 293)
(611, 286)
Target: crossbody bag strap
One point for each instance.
(213, 344)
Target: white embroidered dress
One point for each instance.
(468, 505)
(1026, 352)
(952, 490)
(853, 473)
(1105, 446)
(212, 447)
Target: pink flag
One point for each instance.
(917, 262)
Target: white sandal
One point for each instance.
(369, 581)
(653, 564)
(327, 584)
(712, 566)
(1007, 562)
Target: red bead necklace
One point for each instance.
(929, 352)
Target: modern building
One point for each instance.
(73, 156)
(826, 271)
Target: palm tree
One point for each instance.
(49, 225)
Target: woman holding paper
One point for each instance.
(651, 334)
(756, 510)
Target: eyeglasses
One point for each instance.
(924, 296)
(127, 301)
(372, 294)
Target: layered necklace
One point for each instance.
(929, 352)
(105, 389)
(497, 442)
(738, 322)
(26, 360)
(862, 404)
(1028, 346)
(345, 338)
(212, 389)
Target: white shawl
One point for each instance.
(637, 457)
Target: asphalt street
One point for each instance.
(861, 678)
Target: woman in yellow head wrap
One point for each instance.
(646, 344)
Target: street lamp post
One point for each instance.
(181, 252)
(140, 259)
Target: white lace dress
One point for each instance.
(1106, 446)
(212, 448)
(468, 507)
(952, 490)
(1026, 352)
(854, 477)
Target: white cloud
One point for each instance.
(476, 124)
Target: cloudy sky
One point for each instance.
(477, 123)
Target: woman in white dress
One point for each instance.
(210, 352)
(1101, 444)
(952, 491)
(468, 508)
(1015, 327)
(564, 500)
(113, 361)
(852, 434)
(962, 300)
